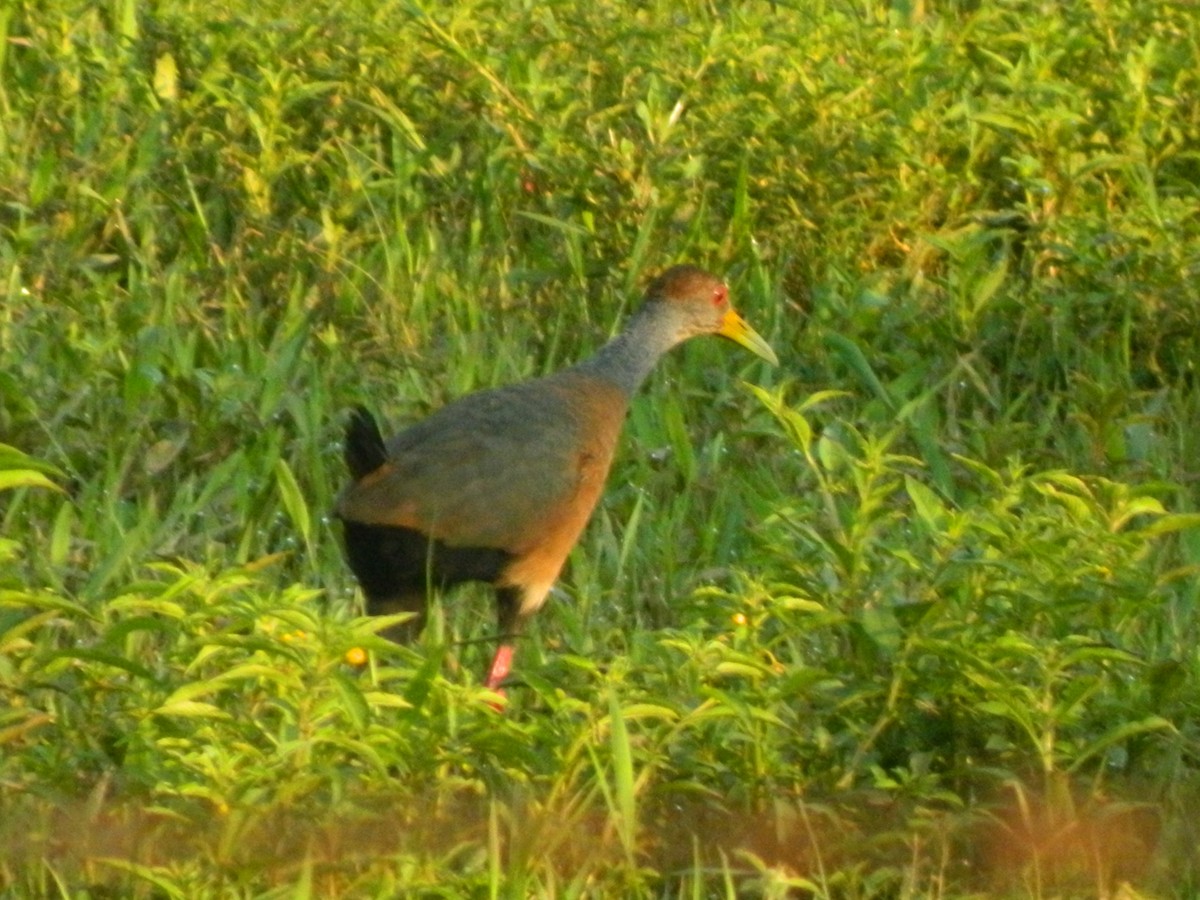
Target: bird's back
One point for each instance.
(512, 468)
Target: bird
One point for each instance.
(497, 485)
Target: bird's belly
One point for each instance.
(390, 560)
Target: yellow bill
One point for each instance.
(739, 331)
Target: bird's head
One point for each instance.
(697, 302)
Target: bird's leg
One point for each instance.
(508, 609)
(501, 666)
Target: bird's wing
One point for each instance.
(500, 468)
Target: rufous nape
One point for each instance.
(497, 485)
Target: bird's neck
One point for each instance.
(629, 357)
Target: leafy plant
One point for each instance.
(914, 616)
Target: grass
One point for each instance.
(912, 615)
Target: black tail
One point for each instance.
(365, 450)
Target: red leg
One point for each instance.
(508, 605)
(501, 666)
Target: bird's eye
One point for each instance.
(720, 295)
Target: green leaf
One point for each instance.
(727, 669)
(1122, 732)
(106, 658)
(987, 286)
(16, 478)
(851, 354)
(166, 77)
(293, 502)
(622, 756)
(161, 878)
(637, 711)
(1134, 507)
(12, 458)
(1171, 522)
(928, 505)
(1002, 122)
(353, 703)
(191, 709)
(60, 537)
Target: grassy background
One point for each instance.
(913, 615)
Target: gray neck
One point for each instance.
(628, 358)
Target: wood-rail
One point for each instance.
(497, 485)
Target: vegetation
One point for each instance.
(913, 615)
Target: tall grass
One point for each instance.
(912, 615)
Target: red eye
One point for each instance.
(720, 295)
